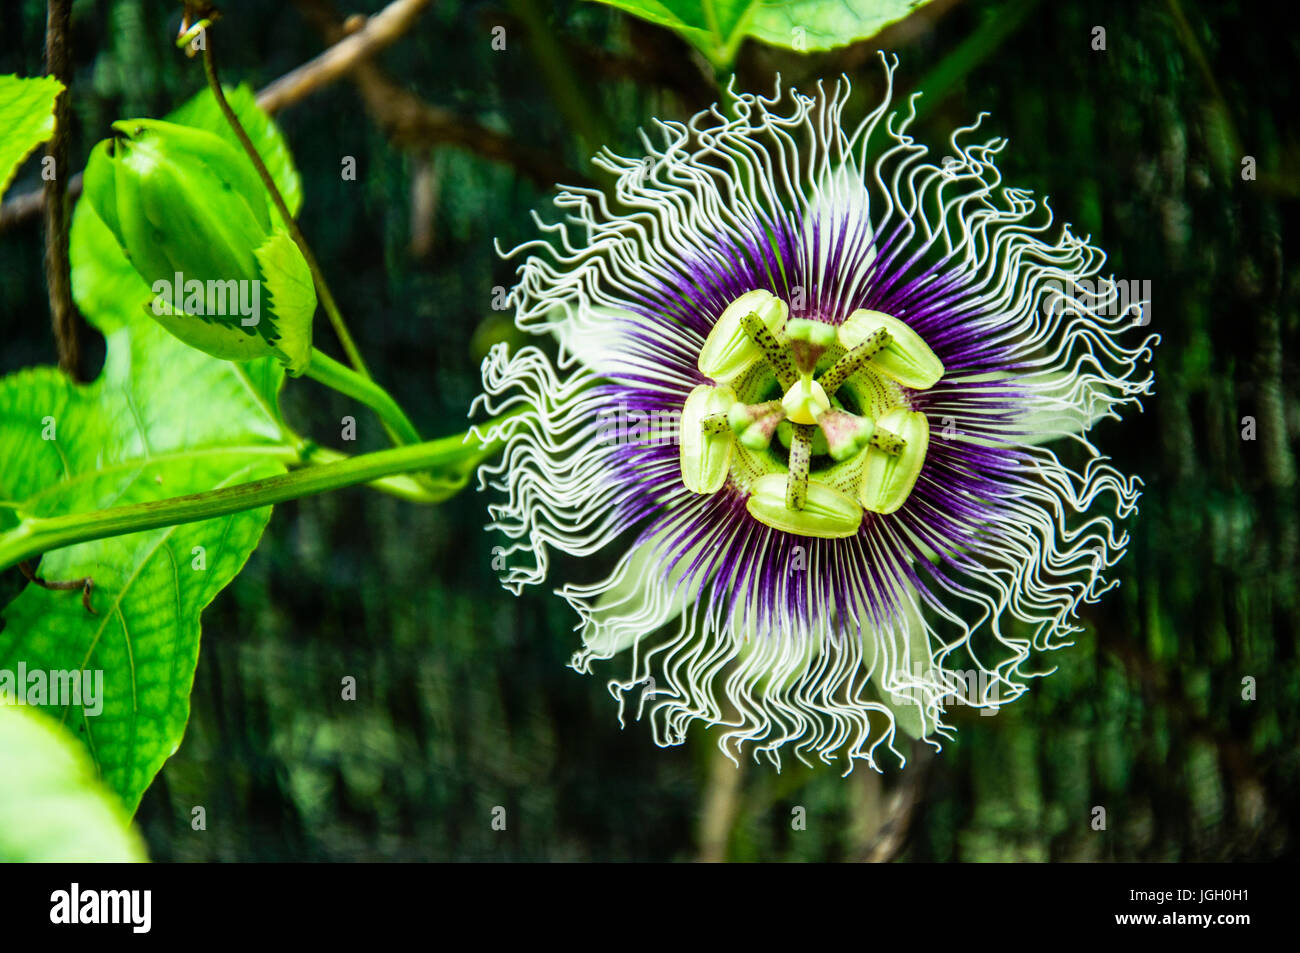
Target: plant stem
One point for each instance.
(63, 312)
(401, 486)
(343, 379)
(449, 456)
(318, 278)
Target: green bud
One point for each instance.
(705, 453)
(728, 350)
(826, 513)
(193, 218)
(889, 477)
(906, 358)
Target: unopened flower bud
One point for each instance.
(193, 218)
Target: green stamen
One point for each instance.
(728, 351)
(888, 477)
(705, 452)
(776, 356)
(906, 359)
(827, 513)
(796, 486)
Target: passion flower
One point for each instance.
(857, 525)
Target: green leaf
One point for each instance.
(202, 112)
(292, 297)
(53, 809)
(717, 27)
(825, 24)
(27, 118)
(163, 419)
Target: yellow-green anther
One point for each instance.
(888, 478)
(827, 513)
(754, 424)
(796, 484)
(805, 400)
(856, 359)
(729, 350)
(846, 434)
(705, 455)
(907, 358)
(766, 341)
(808, 342)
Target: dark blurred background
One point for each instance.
(464, 701)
